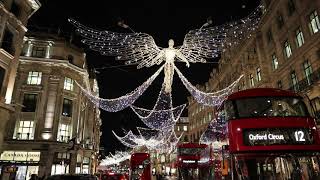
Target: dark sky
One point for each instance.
(161, 19)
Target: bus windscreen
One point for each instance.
(267, 107)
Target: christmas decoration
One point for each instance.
(115, 159)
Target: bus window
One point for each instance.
(271, 107)
(229, 110)
(279, 167)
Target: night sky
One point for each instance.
(162, 20)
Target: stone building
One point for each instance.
(14, 15)
(55, 129)
(181, 129)
(283, 53)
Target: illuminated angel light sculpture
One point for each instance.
(140, 49)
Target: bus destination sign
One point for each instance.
(276, 136)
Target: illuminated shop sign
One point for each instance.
(20, 156)
(278, 136)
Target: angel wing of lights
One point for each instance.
(140, 48)
(134, 48)
(118, 104)
(241, 29)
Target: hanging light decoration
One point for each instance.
(118, 104)
(208, 99)
(164, 141)
(163, 115)
(114, 159)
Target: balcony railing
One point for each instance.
(64, 138)
(24, 136)
(308, 82)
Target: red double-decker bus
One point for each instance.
(271, 135)
(140, 166)
(194, 161)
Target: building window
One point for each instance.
(299, 37)
(307, 71)
(279, 84)
(314, 23)
(275, 62)
(185, 128)
(291, 7)
(2, 74)
(68, 84)
(39, 51)
(294, 81)
(15, 9)
(280, 21)
(67, 107)
(7, 41)
(287, 49)
(29, 103)
(258, 74)
(269, 36)
(63, 133)
(70, 59)
(243, 85)
(25, 130)
(34, 78)
(251, 80)
(178, 128)
(185, 139)
(318, 53)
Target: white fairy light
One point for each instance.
(163, 115)
(208, 99)
(115, 159)
(165, 141)
(159, 119)
(118, 104)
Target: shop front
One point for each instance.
(19, 165)
(61, 163)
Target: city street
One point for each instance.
(145, 90)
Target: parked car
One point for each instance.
(72, 177)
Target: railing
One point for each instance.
(64, 138)
(24, 136)
(308, 82)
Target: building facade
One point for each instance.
(55, 128)
(14, 15)
(182, 128)
(283, 53)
